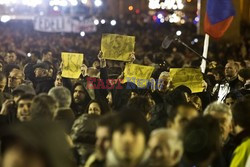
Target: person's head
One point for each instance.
(180, 115)
(15, 78)
(103, 136)
(80, 94)
(244, 75)
(232, 97)
(241, 113)
(62, 95)
(201, 141)
(11, 57)
(58, 81)
(34, 144)
(34, 56)
(97, 107)
(41, 70)
(196, 101)
(141, 104)
(51, 71)
(47, 55)
(163, 81)
(23, 107)
(3, 81)
(223, 114)
(186, 90)
(165, 147)
(43, 107)
(21, 90)
(109, 98)
(130, 134)
(231, 70)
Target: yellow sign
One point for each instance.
(117, 47)
(189, 77)
(72, 63)
(138, 74)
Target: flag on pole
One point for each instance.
(219, 15)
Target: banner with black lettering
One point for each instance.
(63, 24)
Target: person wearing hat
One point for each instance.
(43, 83)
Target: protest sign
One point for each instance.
(117, 47)
(72, 63)
(138, 74)
(189, 77)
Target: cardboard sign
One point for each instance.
(189, 77)
(117, 47)
(138, 74)
(72, 63)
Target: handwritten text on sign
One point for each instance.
(117, 47)
(138, 74)
(72, 63)
(189, 77)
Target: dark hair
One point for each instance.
(201, 138)
(26, 97)
(45, 51)
(36, 53)
(11, 51)
(141, 104)
(241, 113)
(103, 106)
(43, 107)
(2, 76)
(66, 119)
(234, 95)
(174, 111)
(129, 115)
(184, 89)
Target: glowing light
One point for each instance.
(189, 1)
(5, 18)
(113, 22)
(183, 21)
(56, 8)
(167, 4)
(160, 16)
(103, 21)
(32, 3)
(175, 7)
(196, 40)
(137, 11)
(162, 20)
(130, 8)
(197, 19)
(73, 2)
(82, 34)
(28, 54)
(84, 1)
(180, 6)
(96, 22)
(98, 3)
(178, 33)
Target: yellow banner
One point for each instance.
(117, 47)
(189, 77)
(72, 63)
(138, 74)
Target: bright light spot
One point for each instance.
(189, 0)
(175, 7)
(98, 3)
(174, 18)
(74, 2)
(96, 22)
(162, 20)
(192, 42)
(84, 1)
(32, 3)
(56, 8)
(82, 34)
(178, 33)
(180, 6)
(12, 10)
(41, 13)
(183, 21)
(130, 8)
(113, 22)
(5, 18)
(28, 54)
(103, 21)
(154, 4)
(159, 16)
(171, 20)
(196, 40)
(197, 19)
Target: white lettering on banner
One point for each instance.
(63, 24)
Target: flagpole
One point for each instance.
(205, 51)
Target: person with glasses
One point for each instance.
(15, 78)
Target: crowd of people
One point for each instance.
(47, 120)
